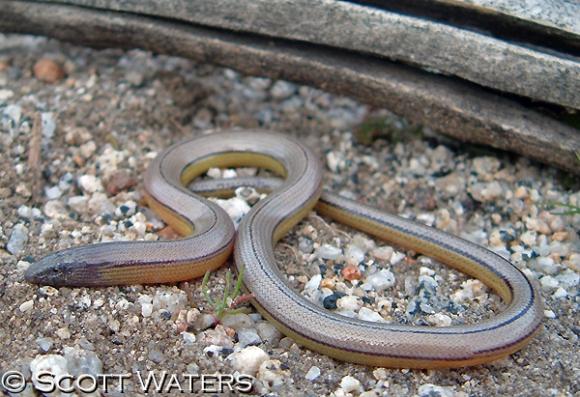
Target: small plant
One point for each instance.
(232, 296)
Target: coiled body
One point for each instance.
(211, 241)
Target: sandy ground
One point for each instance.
(101, 124)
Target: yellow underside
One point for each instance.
(392, 362)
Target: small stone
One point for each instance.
(397, 258)
(146, 309)
(18, 239)
(329, 252)
(379, 281)
(63, 333)
(45, 344)
(217, 336)
(126, 209)
(329, 302)
(469, 291)
(248, 194)
(235, 207)
(351, 272)
(172, 300)
(214, 173)
(439, 320)
(48, 70)
(334, 161)
(248, 360)
(81, 361)
(6, 94)
(272, 373)
(486, 191)
(313, 283)
(313, 373)
(568, 278)
(268, 333)
(52, 193)
(560, 293)
(248, 337)
(204, 321)
(305, 245)
(349, 302)
(237, 321)
(367, 314)
(549, 314)
(282, 90)
(350, 384)
(55, 209)
(546, 265)
(88, 149)
(119, 181)
(90, 183)
(354, 254)
(155, 354)
(486, 166)
(431, 390)
(47, 290)
(78, 203)
(549, 282)
(188, 338)
(26, 306)
(382, 253)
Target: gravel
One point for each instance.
(106, 114)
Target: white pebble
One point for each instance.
(248, 360)
(568, 278)
(397, 257)
(367, 314)
(379, 281)
(26, 306)
(214, 173)
(327, 251)
(428, 390)
(18, 239)
(52, 193)
(188, 338)
(313, 283)
(354, 254)
(350, 384)
(229, 173)
(90, 183)
(248, 337)
(235, 207)
(172, 300)
(313, 373)
(439, 320)
(549, 314)
(382, 253)
(560, 293)
(237, 321)
(272, 374)
(78, 203)
(146, 309)
(549, 282)
(349, 302)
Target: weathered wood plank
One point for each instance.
(492, 62)
(456, 108)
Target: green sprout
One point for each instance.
(232, 296)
